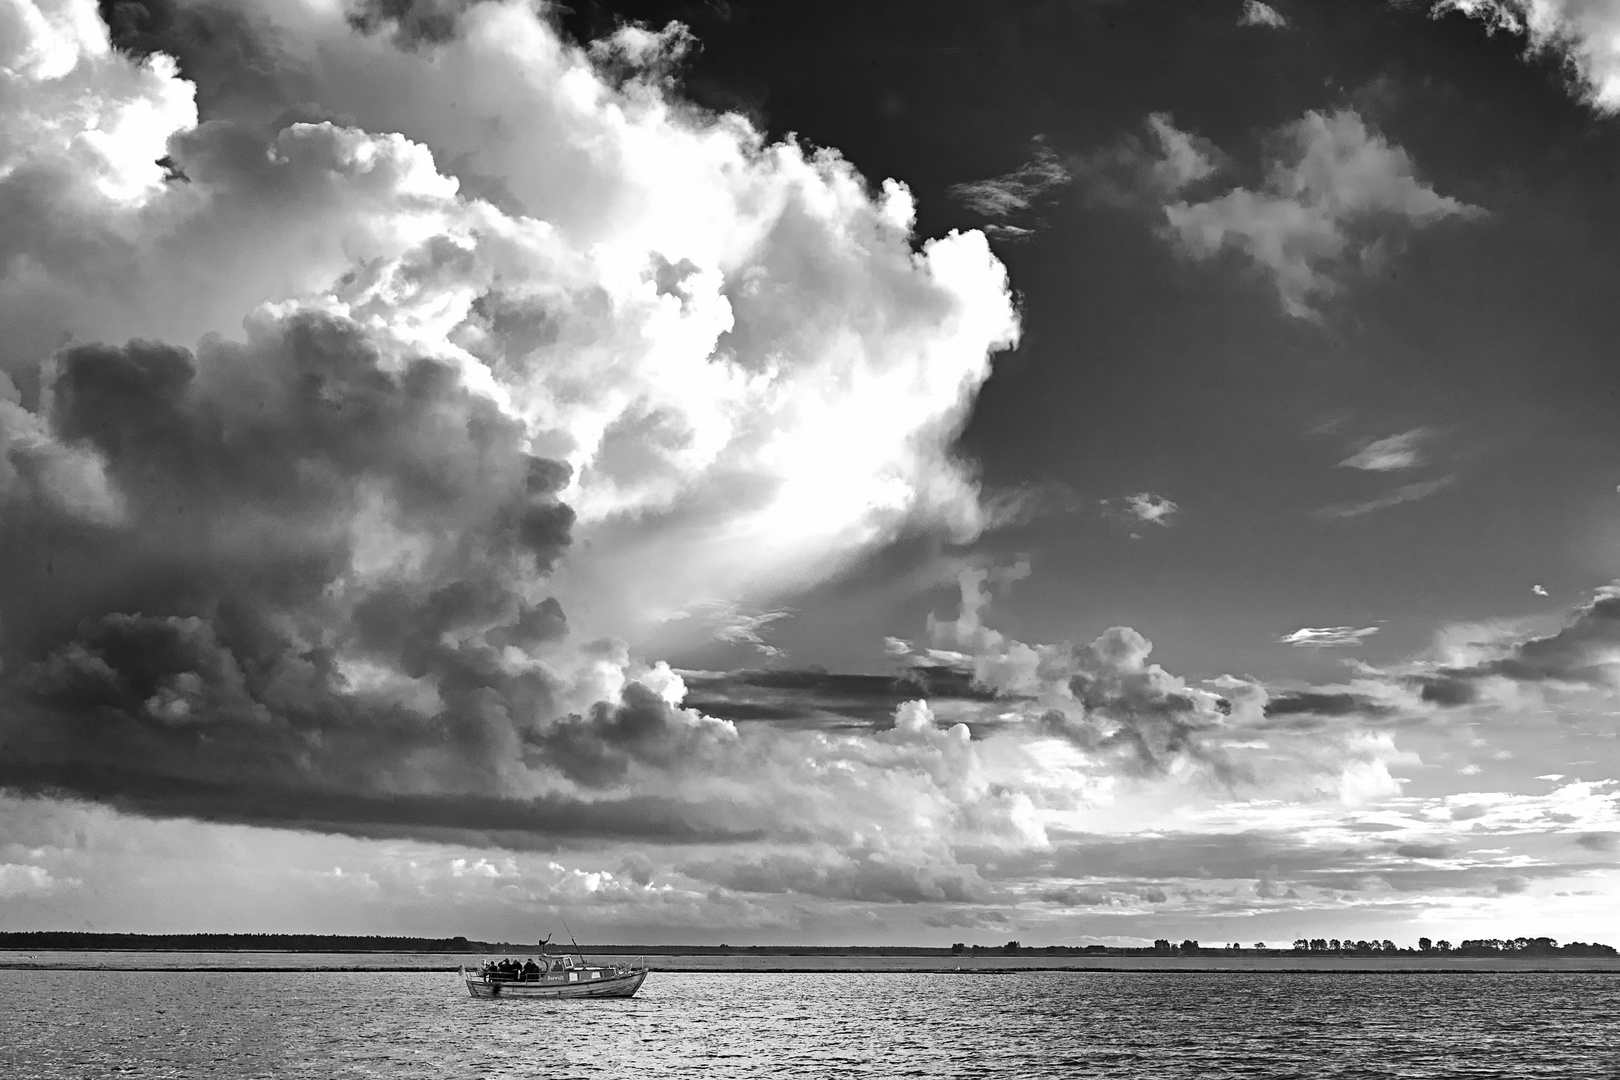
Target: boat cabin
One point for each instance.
(549, 969)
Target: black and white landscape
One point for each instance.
(1078, 472)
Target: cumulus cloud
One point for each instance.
(460, 354)
(1105, 698)
(1149, 508)
(1256, 13)
(26, 880)
(1141, 508)
(1585, 32)
(1327, 637)
(1402, 451)
(1333, 193)
(1148, 168)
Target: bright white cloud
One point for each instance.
(1323, 204)
(750, 368)
(1327, 637)
(1587, 31)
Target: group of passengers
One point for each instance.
(510, 970)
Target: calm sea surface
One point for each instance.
(245, 1024)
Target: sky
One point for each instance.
(1082, 471)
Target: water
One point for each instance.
(250, 1024)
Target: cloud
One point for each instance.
(375, 446)
(25, 880)
(1390, 453)
(1075, 896)
(1323, 703)
(1256, 13)
(1406, 493)
(1333, 192)
(877, 874)
(1585, 652)
(965, 918)
(1152, 509)
(1013, 193)
(1152, 170)
(1104, 698)
(1141, 508)
(1603, 841)
(1584, 32)
(1327, 637)
(734, 625)
(1538, 590)
(796, 697)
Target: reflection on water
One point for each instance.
(326, 1024)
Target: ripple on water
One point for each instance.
(1213, 1026)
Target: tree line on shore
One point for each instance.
(1520, 946)
(92, 941)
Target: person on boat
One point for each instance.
(531, 971)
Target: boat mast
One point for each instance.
(571, 938)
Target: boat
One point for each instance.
(554, 976)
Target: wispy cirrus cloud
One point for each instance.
(1406, 493)
(1327, 637)
(1402, 451)
(735, 624)
(1004, 197)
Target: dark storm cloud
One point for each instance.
(867, 876)
(1075, 896)
(180, 609)
(813, 697)
(1585, 653)
(233, 62)
(413, 22)
(541, 823)
(1424, 851)
(1319, 703)
(599, 747)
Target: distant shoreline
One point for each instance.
(1036, 956)
(787, 963)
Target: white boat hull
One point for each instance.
(559, 985)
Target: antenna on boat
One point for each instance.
(571, 936)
